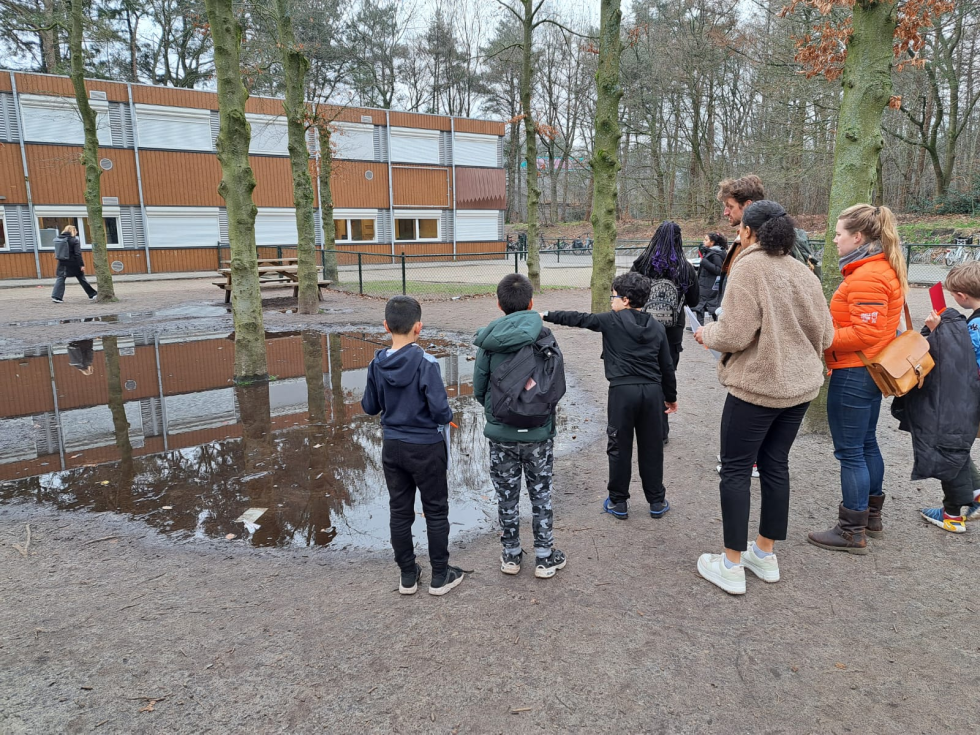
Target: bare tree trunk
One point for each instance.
(50, 55)
(120, 424)
(90, 158)
(326, 203)
(530, 150)
(236, 187)
(605, 157)
(867, 89)
(294, 66)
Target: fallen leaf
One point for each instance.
(840, 666)
(317, 446)
(168, 507)
(104, 482)
(230, 536)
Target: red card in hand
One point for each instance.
(938, 299)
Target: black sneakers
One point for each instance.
(619, 510)
(511, 563)
(547, 567)
(441, 584)
(409, 584)
(658, 510)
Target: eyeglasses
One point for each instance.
(614, 297)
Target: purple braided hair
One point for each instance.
(667, 255)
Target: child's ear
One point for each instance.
(417, 329)
(530, 304)
(386, 326)
(499, 306)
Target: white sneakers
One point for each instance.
(712, 568)
(766, 569)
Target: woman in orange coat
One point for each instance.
(866, 311)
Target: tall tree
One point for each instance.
(90, 156)
(236, 187)
(295, 65)
(605, 156)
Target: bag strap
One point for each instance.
(908, 328)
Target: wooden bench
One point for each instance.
(321, 284)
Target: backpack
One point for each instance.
(62, 249)
(526, 387)
(802, 252)
(664, 303)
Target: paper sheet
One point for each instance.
(695, 326)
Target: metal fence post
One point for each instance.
(516, 266)
(279, 251)
(908, 254)
(558, 248)
(404, 290)
(360, 275)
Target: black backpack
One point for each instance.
(664, 303)
(62, 248)
(526, 387)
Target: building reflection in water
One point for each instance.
(154, 427)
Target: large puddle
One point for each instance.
(154, 428)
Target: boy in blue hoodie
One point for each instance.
(515, 451)
(405, 386)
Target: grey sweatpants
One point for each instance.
(508, 462)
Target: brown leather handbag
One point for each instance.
(903, 364)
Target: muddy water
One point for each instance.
(154, 428)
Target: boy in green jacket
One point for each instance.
(515, 451)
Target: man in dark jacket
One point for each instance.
(517, 452)
(712, 251)
(642, 388)
(943, 417)
(71, 264)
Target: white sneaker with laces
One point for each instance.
(712, 568)
(766, 569)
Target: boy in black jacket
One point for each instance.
(641, 379)
(405, 386)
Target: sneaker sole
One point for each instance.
(408, 590)
(856, 550)
(510, 569)
(718, 581)
(620, 516)
(548, 572)
(661, 514)
(440, 591)
(763, 574)
(939, 524)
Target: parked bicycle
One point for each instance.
(580, 247)
(962, 252)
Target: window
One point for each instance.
(411, 145)
(477, 225)
(183, 227)
(57, 120)
(174, 128)
(51, 226)
(270, 135)
(275, 227)
(354, 230)
(353, 141)
(476, 150)
(417, 228)
(3, 233)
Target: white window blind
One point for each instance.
(476, 225)
(174, 128)
(409, 145)
(475, 150)
(269, 135)
(275, 227)
(180, 227)
(57, 120)
(353, 141)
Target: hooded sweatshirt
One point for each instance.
(406, 388)
(497, 341)
(634, 347)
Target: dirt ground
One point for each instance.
(107, 626)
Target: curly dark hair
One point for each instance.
(718, 240)
(633, 287)
(774, 229)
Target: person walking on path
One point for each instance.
(713, 251)
(772, 331)
(866, 309)
(674, 284)
(68, 252)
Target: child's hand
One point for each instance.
(932, 321)
(671, 407)
(699, 336)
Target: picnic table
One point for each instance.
(273, 272)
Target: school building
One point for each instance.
(402, 182)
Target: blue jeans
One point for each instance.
(853, 404)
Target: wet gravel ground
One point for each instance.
(108, 626)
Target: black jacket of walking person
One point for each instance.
(72, 267)
(944, 414)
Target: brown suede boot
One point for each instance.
(875, 529)
(847, 535)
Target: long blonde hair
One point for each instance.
(878, 223)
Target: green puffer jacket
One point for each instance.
(497, 341)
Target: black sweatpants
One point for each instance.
(959, 491)
(752, 434)
(408, 467)
(636, 409)
(675, 343)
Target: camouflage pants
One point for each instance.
(508, 461)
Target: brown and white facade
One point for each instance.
(402, 182)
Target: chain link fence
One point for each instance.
(929, 264)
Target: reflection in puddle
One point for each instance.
(154, 427)
(192, 311)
